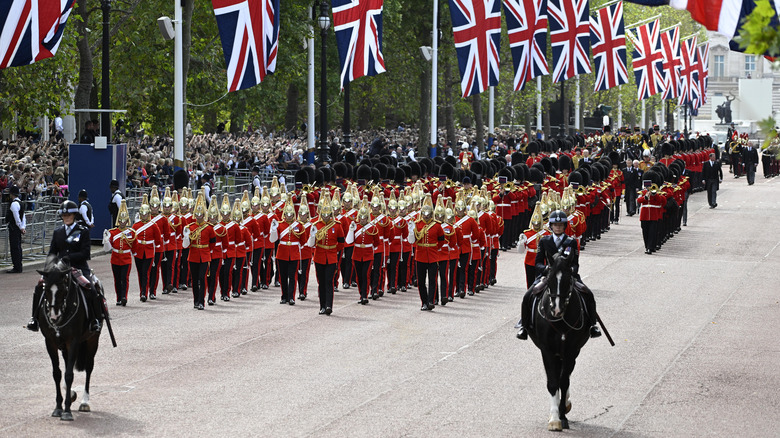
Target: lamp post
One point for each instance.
(105, 95)
(324, 22)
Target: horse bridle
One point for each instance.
(48, 305)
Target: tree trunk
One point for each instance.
(210, 120)
(476, 105)
(237, 115)
(546, 117)
(425, 112)
(291, 115)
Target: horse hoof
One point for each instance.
(554, 426)
(57, 413)
(84, 408)
(568, 407)
(66, 416)
(73, 396)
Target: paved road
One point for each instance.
(693, 356)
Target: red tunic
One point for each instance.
(121, 248)
(366, 242)
(429, 241)
(200, 238)
(326, 250)
(290, 241)
(147, 238)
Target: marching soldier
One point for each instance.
(326, 237)
(217, 251)
(241, 250)
(229, 240)
(147, 239)
(199, 237)
(120, 241)
(306, 251)
(169, 240)
(529, 241)
(159, 252)
(289, 233)
(428, 238)
(259, 231)
(186, 219)
(397, 233)
(365, 239)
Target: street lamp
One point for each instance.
(324, 22)
(105, 95)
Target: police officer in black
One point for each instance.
(116, 200)
(71, 244)
(549, 245)
(85, 216)
(17, 223)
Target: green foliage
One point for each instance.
(756, 35)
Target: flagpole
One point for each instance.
(608, 3)
(311, 145)
(434, 73)
(641, 22)
(643, 124)
(620, 111)
(670, 27)
(538, 104)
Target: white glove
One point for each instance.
(352, 226)
(185, 241)
(106, 240)
(274, 224)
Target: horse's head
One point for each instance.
(55, 284)
(559, 282)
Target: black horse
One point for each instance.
(62, 318)
(560, 331)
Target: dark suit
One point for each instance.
(546, 250)
(750, 160)
(712, 175)
(632, 179)
(76, 246)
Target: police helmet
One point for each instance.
(69, 207)
(558, 217)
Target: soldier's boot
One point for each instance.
(32, 325)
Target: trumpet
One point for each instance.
(653, 188)
(450, 184)
(307, 188)
(509, 186)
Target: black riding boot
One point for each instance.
(590, 307)
(94, 310)
(525, 317)
(32, 325)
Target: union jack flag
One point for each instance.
(358, 26)
(703, 70)
(689, 74)
(31, 30)
(569, 37)
(670, 44)
(476, 27)
(249, 30)
(608, 43)
(647, 60)
(526, 23)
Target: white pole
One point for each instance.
(178, 90)
(311, 142)
(577, 107)
(642, 124)
(434, 73)
(492, 112)
(44, 125)
(620, 113)
(538, 103)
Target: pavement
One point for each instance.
(694, 323)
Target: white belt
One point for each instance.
(475, 245)
(360, 245)
(504, 205)
(290, 243)
(466, 236)
(230, 242)
(145, 242)
(120, 251)
(650, 206)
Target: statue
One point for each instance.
(724, 111)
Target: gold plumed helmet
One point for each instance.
(175, 201)
(491, 206)
(275, 187)
(167, 201)
(449, 212)
(439, 211)
(265, 200)
(325, 207)
(245, 206)
(144, 210)
(426, 212)
(199, 211)
(184, 204)
(225, 207)
(376, 201)
(256, 198)
(335, 203)
(347, 198)
(235, 214)
(473, 210)
(364, 212)
(460, 202)
(123, 217)
(567, 201)
(288, 212)
(537, 221)
(213, 214)
(303, 213)
(154, 198)
(190, 199)
(545, 207)
(392, 204)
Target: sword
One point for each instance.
(606, 332)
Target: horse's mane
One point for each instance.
(54, 265)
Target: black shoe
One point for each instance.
(263, 286)
(236, 294)
(291, 302)
(493, 282)
(328, 310)
(392, 290)
(450, 299)
(226, 298)
(647, 251)
(424, 307)
(152, 296)
(301, 297)
(462, 294)
(119, 303)
(471, 293)
(143, 299)
(443, 301)
(94, 326)
(243, 292)
(277, 284)
(199, 307)
(13, 271)
(183, 286)
(174, 290)
(363, 301)
(595, 332)
(211, 302)
(374, 296)
(354, 284)
(431, 306)
(381, 292)
(124, 302)
(254, 288)
(322, 311)
(167, 289)
(522, 334)
(32, 325)
(345, 286)
(403, 288)
(283, 301)
(335, 289)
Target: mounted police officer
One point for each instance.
(549, 245)
(85, 210)
(71, 244)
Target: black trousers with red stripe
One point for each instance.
(325, 273)
(267, 267)
(427, 271)
(303, 277)
(363, 274)
(392, 271)
(346, 265)
(225, 272)
(211, 281)
(184, 268)
(166, 266)
(238, 271)
(444, 280)
(198, 272)
(403, 269)
(452, 267)
(154, 273)
(288, 270)
(143, 266)
(121, 280)
(257, 256)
